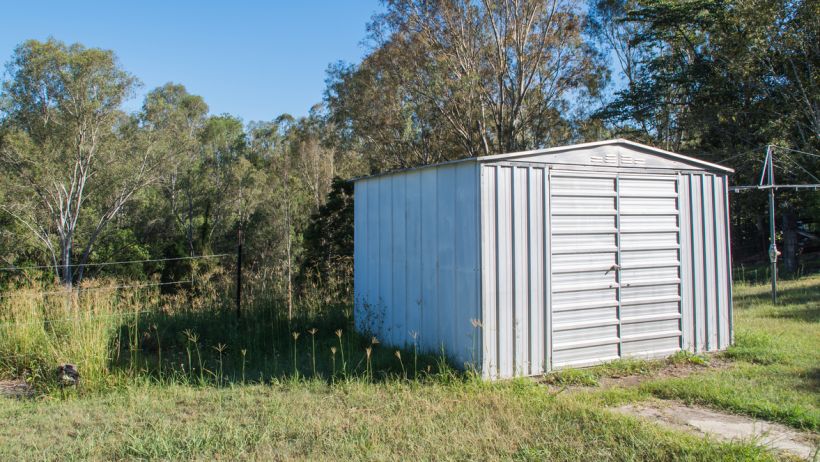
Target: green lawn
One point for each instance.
(773, 374)
(354, 421)
(776, 370)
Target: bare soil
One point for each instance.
(15, 389)
(668, 370)
(727, 427)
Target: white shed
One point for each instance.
(518, 264)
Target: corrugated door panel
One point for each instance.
(567, 263)
(650, 265)
(396, 315)
(655, 310)
(655, 346)
(592, 298)
(414, 273)
(579, 356)
(584, 289)
(648, 223)
(504, 271)
(489, 272)
(652, 258)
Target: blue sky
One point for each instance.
(254, 60)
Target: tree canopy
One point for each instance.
(84, 180)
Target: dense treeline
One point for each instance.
(84, 181)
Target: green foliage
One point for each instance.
(329, 240)
(720, 80)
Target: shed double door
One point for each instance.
(614, 267)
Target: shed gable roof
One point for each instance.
(609, 153)
(612, 153)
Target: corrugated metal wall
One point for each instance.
(705, 254)
(514, 268)
(620, 256)
(416, 259)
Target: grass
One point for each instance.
(776, 370)
(353, 420)
(188, 383)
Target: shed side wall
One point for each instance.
(416, 260)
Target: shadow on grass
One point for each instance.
(807, 295)
(214, 347)
(812, 383)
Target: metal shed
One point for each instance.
(518, 264)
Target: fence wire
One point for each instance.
(109, 263)
(71, 291)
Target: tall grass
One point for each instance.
(39, 331)
(117, 337)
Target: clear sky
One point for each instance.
(254, 60)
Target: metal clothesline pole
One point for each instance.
(773, 253)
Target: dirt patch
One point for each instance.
(671, 370)
(727, 427)
(15, 389)
(654, 371)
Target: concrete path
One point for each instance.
(725, 426)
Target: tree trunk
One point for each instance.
(66, 263)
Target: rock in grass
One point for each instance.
(68, 375)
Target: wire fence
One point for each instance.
(69, 291)
(80, 317)
(72, 290)
(124, 262)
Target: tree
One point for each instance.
(180, 119)
(475, 77)
(721, 79)
(329, 240)
(67, 145)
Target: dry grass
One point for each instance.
(315, 421)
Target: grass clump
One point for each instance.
(755, 347)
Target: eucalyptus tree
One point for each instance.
(71, 159)
(721, 79)
(180, 118)
(476, 77)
